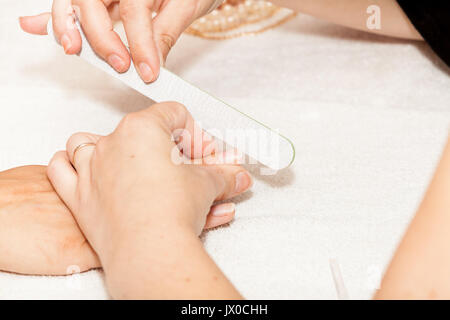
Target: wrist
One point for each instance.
(141, 240)
(150, 258)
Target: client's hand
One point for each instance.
(141, 212)
(38, 234)
(150, 39)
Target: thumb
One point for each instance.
(35, 24)
(170, 23)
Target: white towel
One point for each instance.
(368, 115)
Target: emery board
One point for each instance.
(219, 119)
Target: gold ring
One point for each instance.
(81, 146)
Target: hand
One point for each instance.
(150, 39)
(139, 209)
(38, 234)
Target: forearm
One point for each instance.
(165, 264)
(353, 14)
(421, 264)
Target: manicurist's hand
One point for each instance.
(150, 39)
(38, 234)
(142, 211)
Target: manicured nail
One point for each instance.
(243, 182)
(223, 209)
(145, 72)
(66, 43)
(116, 62)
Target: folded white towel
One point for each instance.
(368, 116)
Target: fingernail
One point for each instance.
(243, 182)
(66, 43)
(116, 62)
(223, 209)
(145, 72)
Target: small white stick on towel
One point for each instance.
(338, 280)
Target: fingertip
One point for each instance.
(137, 21)
(243, 182)
(148, 72)
(53, 160)
(22, 24)
(223, 210)
(231, 180)
(220, 214)
(71, 42)
(120, 62)
(164, 45)
(56, 164)
(63, 177)
(35, 24)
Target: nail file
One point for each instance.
(219, 119)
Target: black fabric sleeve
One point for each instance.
(431, 18)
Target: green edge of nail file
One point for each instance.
(213, 115)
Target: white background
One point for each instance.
(368, 115)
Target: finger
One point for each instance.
(220, 214)
(99, 32)
(80, 148)
(113, 10)
(137, 21)
(178, 123)
(194, 142)
(229, 180)
(35, 24)
(64, 28)
(170, 23)
(63, 178)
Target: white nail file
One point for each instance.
(217, 118)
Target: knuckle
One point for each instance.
(127, 8)
(77, 139)
(167, 40)
(130, 123)
(172, 109)
(101, 145)
(176, 106)
(100, 45)
(168, 112)
(52, 167)
(206, 179)
(127, 121)
(74, 139)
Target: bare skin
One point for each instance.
(421, 264)
(151, 39)
(38, 234)
(353, 14)
(141, 212)
(419, 268)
